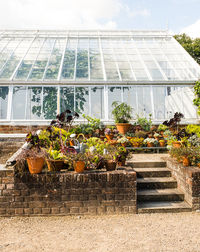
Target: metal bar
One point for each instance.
(102, 60)
(47, 65)
(75, 63)
(10, 100)
(116, 63)
(62, 61)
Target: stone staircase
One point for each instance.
(156, 189)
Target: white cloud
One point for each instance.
(192, 30)
(138, 12)
(59, 14)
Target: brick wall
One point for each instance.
(188, 179)
(67, 193)
(5, 129)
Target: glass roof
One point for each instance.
(107, 56)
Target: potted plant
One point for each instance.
(186, 153)
(156, 136)
(55, 160)
(136, 141)
(129, 135)
(109, 134)
(151, 142)
(162, 128)
(33, 153)
(162, 142)
(122, 155)
(80, 161)
(123, 141)
(122, 115)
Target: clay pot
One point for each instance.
(129, 138)
(121, 163)
(162, 144)
(176, 144)
(186, 161)
(35, 165)
(150, 145)
(79, 166)
(55, 165)
(124, 144)
(110, 165)
(110, 137)
(123, 127)
(136, 145)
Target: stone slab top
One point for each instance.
(16, 135)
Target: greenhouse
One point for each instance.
(43, 73)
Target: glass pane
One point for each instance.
(66, 98)
(19, 103)
(159, 102)
(97, 102)
(82, 100)
(82, 64)
(3, 102)
(130, 97)
(173, 101)
(114, 94)
(55, 60)
(144, 101)
(50, 102)
(34, 103)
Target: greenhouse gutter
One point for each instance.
(89, 83)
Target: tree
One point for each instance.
(192, 46)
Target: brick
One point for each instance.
(46, 210)
(37, 210)
(19, 211)
(64, 210)
(37, 204)
(65, 197)
(55, 210)
(2, 211)
(74, 210)
(10, 186)
(83, 210)
(101, 210)
(92, 210)
(7, 192)
(74, 204)
(110, 209)
(28, 211)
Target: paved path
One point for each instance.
(121, 233)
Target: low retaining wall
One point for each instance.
(67, 193)
(188, 179)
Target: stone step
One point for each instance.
(164, 207)
(160, 195)
(152, 172)
(156, 183)
(147, 164)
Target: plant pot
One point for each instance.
(136, 145)
(123, 144)
(71, 143)
(176, 144)
(123, 127)
(198, 165)
(35, 165)
(186, 161)
(79, 166)
(102, 138)
(162, 144)
(121, 163)
(150, 145)
(129, 138)
(110, 165)
(55, 165)
(110, 137)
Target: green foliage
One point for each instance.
(144, 123)
(192, 46)
(193, 129)
(162, 127)
(121, 112)
(92, 122)
(196, 101)
(55, 154)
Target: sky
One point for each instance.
(178, 16)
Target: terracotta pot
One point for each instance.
(110, 165)
(35, 165)
(55, 165)
(79, 166)
(71, 143)
(150, 145)
(121, 163)
(129, 138)
(123, 127)
(110, 137)
(162, 144)
(136, 145)
(198, 165)
(162, 132)
(124, 144)
(176, 144)
(186, 161)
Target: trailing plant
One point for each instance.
(162, 127)
(94, 123)
(144, 123)
(122, 112)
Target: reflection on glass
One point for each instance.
(114, 94)
(159, 102)
(66, 98)
(34, 103)
(82, 100)
(130, 97)
(97, 102)
(19, 103)
(49, 102)
(3, 102)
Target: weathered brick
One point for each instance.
(37, 210)
(46, 210)
(55, 210)
(28, 211)
(74, 210)
(19, 211)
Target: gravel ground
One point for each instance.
(120, 233)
